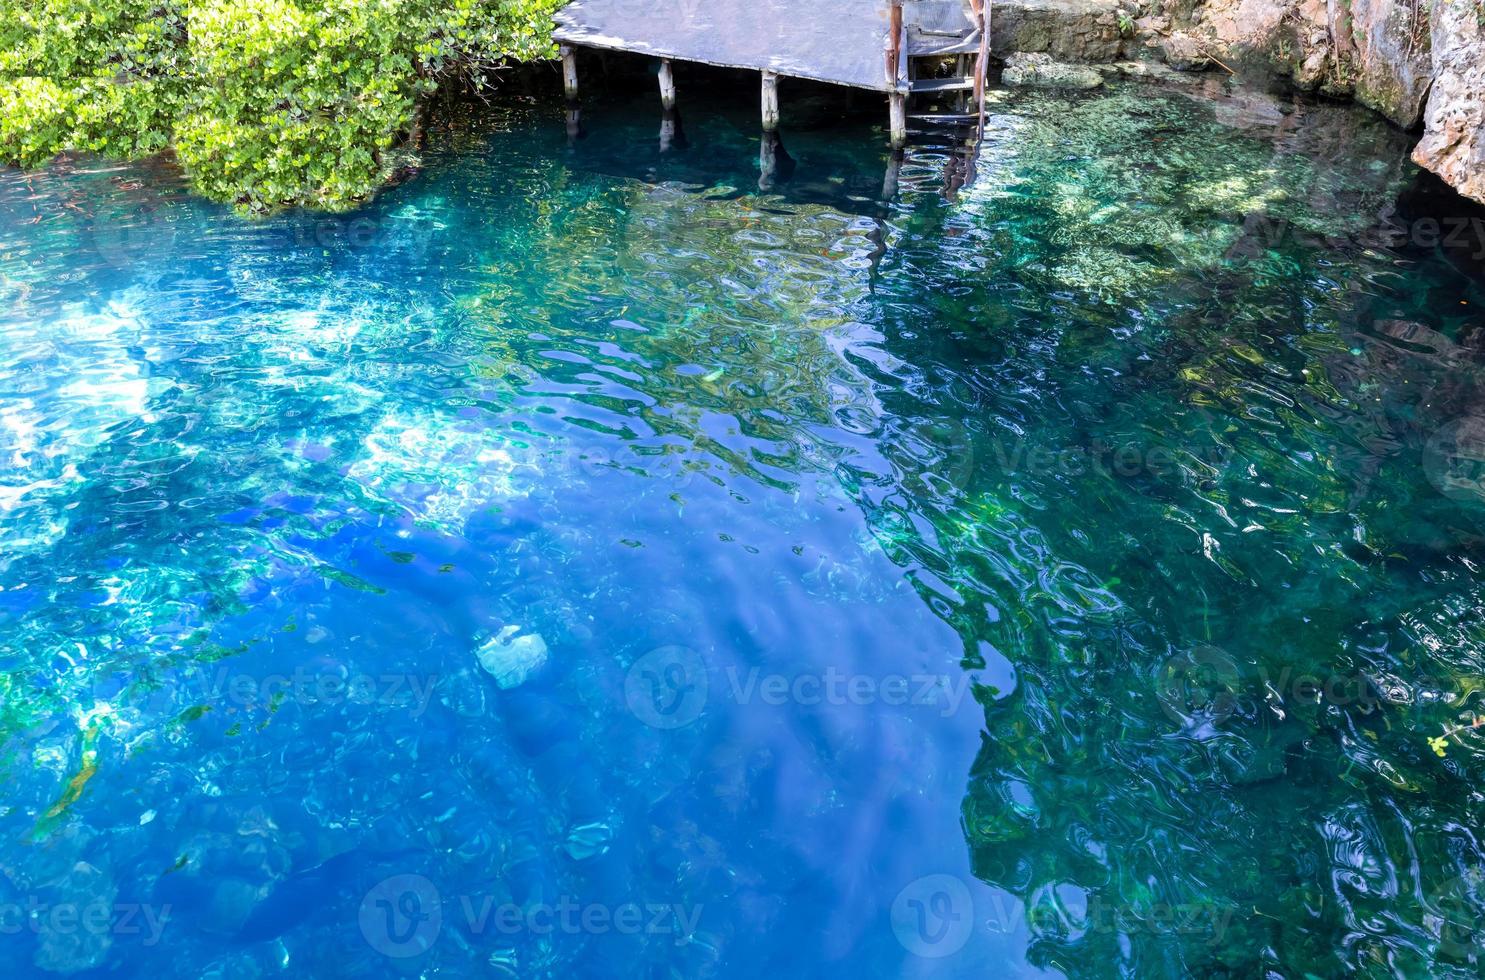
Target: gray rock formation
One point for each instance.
(1391, 54)
(1067, 30)
(1453, 144)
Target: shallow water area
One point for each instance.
(594, 560)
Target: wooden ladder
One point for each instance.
(944, 30)
(969, 46)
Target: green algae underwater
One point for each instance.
(1076, 574)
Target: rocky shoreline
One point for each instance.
(1421, 63)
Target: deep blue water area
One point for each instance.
(588, 560)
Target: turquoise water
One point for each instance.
(580, 562)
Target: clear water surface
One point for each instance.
(581, 562)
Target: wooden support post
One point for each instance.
(569, 73)
(770, 102)
(774, 162)
(768, 161)
(896, 84)
(671, 133)
(667, 85)
(894, 168)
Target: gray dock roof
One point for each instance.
(838, 41)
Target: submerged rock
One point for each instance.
(1040, 71)
(512, 659)
(1152, 71)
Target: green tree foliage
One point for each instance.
(266, 102)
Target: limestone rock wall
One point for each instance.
(1453, 144)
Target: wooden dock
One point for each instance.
(869, 44)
